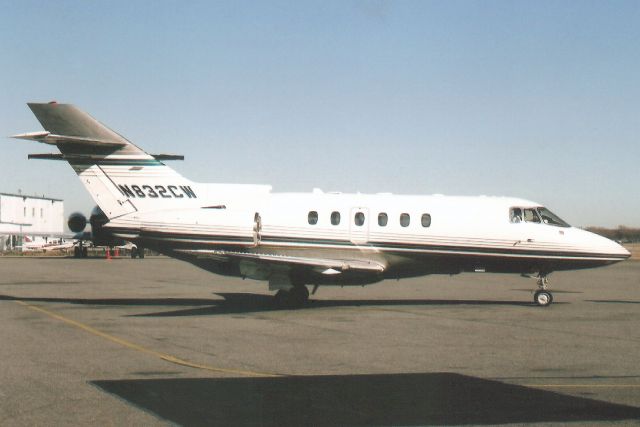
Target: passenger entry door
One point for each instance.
(359, 225)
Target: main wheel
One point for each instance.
(543, 298)
(299, 295)
(281, 298)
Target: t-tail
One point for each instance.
(120, 177)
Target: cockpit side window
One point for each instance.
(550, 218)
(530, 215)
(515, 215)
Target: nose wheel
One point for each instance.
(543, 297)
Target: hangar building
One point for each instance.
(21, 215)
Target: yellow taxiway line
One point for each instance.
(182, 362)
(141, 349)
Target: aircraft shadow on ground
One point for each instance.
(116, 301)
(237, 303)
(612, 301)
(388, 399)
(41, 282)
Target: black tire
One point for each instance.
(85, 253)
(299, 295)
(134, 252)
(281, 298)
(543, 298)
(76, 252)
(141, 253)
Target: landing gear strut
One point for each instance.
(137, 252)
(80, 251)
(543, 297)
(293, 298)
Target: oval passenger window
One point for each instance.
(313, 217)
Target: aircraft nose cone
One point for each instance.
(625, 251)
(614, 249)
(617, 249)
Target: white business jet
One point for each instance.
(293, 240)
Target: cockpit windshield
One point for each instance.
(536, 215)
(549, 217)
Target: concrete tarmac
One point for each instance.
(157, 342)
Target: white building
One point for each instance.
(28, 215)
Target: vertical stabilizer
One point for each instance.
(120, 177)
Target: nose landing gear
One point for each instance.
(543, 297)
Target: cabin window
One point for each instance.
(382, 219)
(33, 212)
(41, 213)
(515, 215)
(530, 215)
(335, 218)
(24, 212)
(313, 217)
(359, 219)
(405, 219)
(426, 220)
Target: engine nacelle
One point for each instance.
(77, 222)
(100, 236)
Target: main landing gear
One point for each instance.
(80, 251)
(543, 297)
(293, 298)
(137, 252)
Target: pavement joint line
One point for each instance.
(141, 349)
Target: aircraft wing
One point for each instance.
(322, 265)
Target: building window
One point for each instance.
(405, 219)
(426, 220)
(335, 218)
(382, 219)
(359, 219)
(313, 217)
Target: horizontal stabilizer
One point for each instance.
(49, 138)
(168, 156)
(46, 156)
(59, 156)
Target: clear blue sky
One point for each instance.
(539, 100)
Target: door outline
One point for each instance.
(257, 229)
